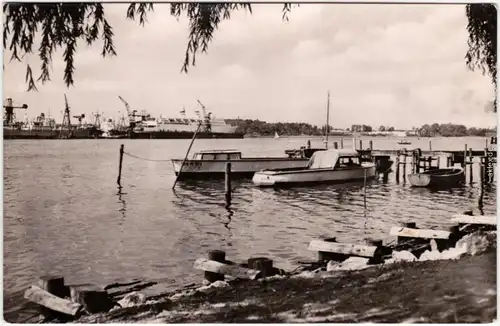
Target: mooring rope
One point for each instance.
(144, 159)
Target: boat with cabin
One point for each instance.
(212, 164)
(438, 178)
(333, 165)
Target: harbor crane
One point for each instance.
(130, 113)
(66, 124)
(206, 118)
(79, 118)
(9, 111)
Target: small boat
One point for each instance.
(276, 136)
(445, 177)
(404, 142)
(333, 165)
(212, 163)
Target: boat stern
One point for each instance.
(419, 179)
(176, 163)
(370, 168)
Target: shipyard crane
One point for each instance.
(79, 118)
(97, 121)
(206, 118)
(66, 124)
(203, 108)
(9, 111)
(130, 113)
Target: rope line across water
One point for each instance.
(144, 159)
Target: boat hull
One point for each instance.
(245, 167)
(29, 134)
(89, 133)
(439, 178)
(313, 176)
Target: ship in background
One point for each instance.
(45, 127)
(135, 125)
(144, 126)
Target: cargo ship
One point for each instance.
(135, 126)
(43, 127)
(182, 128)
(144, 126)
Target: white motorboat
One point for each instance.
(334, 165)
(212, 163)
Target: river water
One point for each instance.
(62, 213)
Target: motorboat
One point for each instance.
(212, 163)
(444, 177)
(333, 165)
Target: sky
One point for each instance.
(392, 65)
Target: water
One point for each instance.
(63, 215)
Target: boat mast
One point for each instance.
(327, 120)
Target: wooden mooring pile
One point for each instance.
(421, 161)
(59, 301)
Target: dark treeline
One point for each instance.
(451, 130)
(262, 128)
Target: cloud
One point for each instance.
(400, 65)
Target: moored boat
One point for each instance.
(334, 165)
(445, 177)
(212, 163)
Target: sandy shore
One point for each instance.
(444, 291)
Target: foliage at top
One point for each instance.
(61, 25)
(482, 29)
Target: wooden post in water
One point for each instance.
(464, 164)
(404, 169)
(471, 161)
(481, 170)
(488, 166)
(416, 157)
(341, 142)
(430, 145)
(486, 162)
(119, 179)
(360, 145)
(371, 145)
(227, 183)
(335, 145)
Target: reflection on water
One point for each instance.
(64, 215)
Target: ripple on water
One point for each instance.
(63, 214)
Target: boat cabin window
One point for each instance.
(217, 156)
(347, 161)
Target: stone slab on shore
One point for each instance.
(442, 291)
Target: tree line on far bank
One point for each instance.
(452, 130)
(263, 128)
